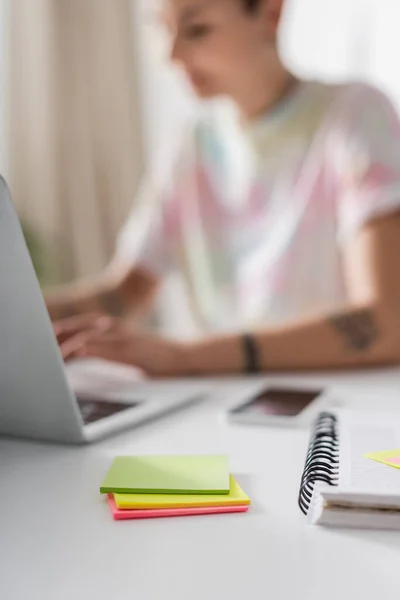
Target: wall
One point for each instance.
(345, 39)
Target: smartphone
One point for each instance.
(279, 406)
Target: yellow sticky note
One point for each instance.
(387, 457)
(236, 497)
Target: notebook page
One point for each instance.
(361, 434)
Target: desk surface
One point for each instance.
(58, 542)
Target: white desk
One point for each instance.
(64, 545)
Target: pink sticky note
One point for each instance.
(121, 515)
(395, 460)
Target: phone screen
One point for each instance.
(279, 402)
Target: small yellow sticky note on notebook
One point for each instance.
(236, 497)
(387, 457)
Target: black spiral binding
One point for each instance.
(322, 463)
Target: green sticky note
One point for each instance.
(168, 475)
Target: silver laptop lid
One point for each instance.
(35, 399)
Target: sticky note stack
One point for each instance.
(140, 487)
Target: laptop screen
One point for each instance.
(93, 410)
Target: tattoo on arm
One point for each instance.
(359, 329)
(112, 303)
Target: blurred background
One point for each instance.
(88, 102)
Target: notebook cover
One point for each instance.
(157, 513)
(236, 497)
(168, 475)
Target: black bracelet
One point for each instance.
(251, 354)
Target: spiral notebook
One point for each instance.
(340, 486)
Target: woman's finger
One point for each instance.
(64, 330)
(107, 337)
(71, 347)
(75, 322)
(111, 352)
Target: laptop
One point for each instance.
(36, 399)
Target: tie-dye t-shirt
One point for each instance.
(256, 218)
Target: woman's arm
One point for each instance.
(355, 338)
(117, 291)
(367, 333)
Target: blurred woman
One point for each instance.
(284, 222)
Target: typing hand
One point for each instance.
(114, 340)
(68, 331)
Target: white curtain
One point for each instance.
(75, 137)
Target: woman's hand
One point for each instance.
(67, 331)
(114, 340)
